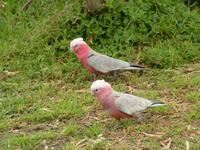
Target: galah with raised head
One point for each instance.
(98, 63)
(121, 105)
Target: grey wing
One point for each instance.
(131, 104)
(106, 64)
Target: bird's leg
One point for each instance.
(115, 74)
(118, 125)
(139, 117)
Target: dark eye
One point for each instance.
(96, 90)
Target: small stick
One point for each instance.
(26, 5)
(187, 145)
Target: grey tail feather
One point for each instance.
(157, 103)
(136, 65)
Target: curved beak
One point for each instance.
(71, 49)
(92, 92)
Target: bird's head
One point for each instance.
(100, 87)
(78, 46)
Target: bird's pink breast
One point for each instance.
(109, 105)
(85, 63)
(83, 57)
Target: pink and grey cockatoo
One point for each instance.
(98, 63)
(121, 105)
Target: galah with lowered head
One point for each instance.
(121, 105)
(98, 63)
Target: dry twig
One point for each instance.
(187, 145)
(156, 135)
(26, 5)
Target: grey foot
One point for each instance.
(118, 125)
(139, 117)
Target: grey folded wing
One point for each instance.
(131, 104)
(106, 64)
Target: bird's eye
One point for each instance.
(96, 90)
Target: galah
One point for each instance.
(121, 105)
(98, 63)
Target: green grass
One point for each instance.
(47, 101)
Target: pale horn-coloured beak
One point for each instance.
(92, 92)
